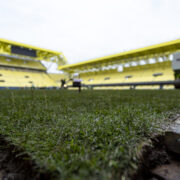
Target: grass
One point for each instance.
(88, 135)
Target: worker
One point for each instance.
(63, 82)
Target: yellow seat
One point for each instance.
(24, 78)
(161, 71)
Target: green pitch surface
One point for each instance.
(88, 135)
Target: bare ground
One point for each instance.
(14, 166)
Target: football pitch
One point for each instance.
(87, 135)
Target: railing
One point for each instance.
(176, 83)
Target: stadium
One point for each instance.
(50, 131)
(153, 67)
(90, 90)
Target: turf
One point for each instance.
(88, 135)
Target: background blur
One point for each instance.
(86, 29)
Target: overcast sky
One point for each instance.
(86, 29)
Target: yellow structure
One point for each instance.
(11, 49)
(149, 64)
(163, 50)
(24, 79)
(18, 63)
(145, 73)
(149, 67)
(150, 72)
(57, 78)
(21, 67)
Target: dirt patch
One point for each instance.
(14, 166)
(158, 162)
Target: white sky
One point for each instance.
(86, 29)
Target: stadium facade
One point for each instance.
(154, 67)
(21, 67)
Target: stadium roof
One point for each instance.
(28, 46)
(162, 48)
(42, 54)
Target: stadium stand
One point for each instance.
(14, 77)
(161, 71)
(21, 67)
(155, 72)
(7, 62)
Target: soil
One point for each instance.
(14, 165)
(158, 163)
